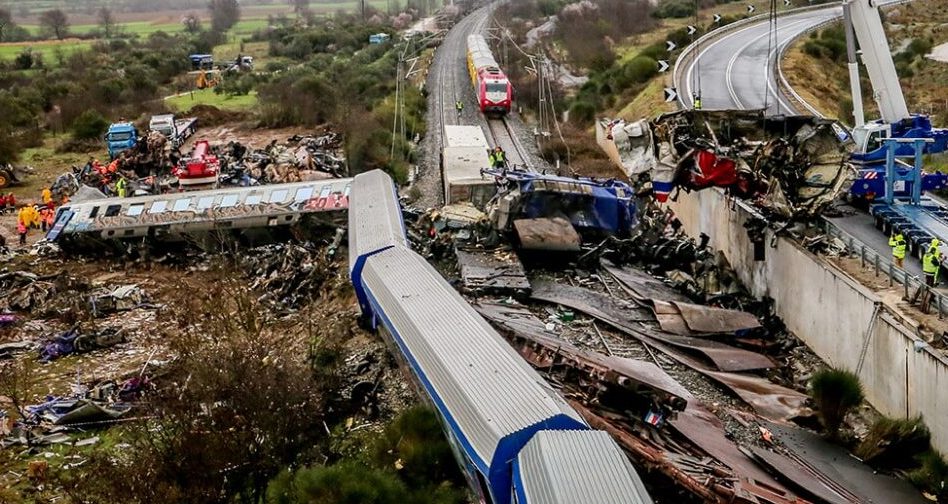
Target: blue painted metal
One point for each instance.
(914, 175)
(62, 218)
(916, 126)
(590, 204)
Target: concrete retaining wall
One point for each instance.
(830, 312)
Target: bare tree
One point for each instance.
(6, 20)
(106, 22)
(224, 14)
(55, 22)
(300, 7)
(192, 23)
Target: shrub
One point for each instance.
(89, 125)
(932, 476)
(640, 69)
(835, 392)
(894, 443)
(582, 112)
(675, 9)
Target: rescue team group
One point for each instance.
(931, 259)
(31, 215)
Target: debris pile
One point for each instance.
(290, 274)
(552, 213)
(790, 167)
(149, 166)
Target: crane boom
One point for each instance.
(876, 56)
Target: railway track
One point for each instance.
(501, 133)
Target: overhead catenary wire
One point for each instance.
(771, 54)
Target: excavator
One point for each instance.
(207, 79)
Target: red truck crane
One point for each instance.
(200, 170)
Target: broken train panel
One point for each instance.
(792, 166)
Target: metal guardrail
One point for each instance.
(883, 265)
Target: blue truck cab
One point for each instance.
(120, 137)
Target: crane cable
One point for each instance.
(771, 56)
(696, 77)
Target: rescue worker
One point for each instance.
(930, 265)
(44, 218)
(11, 200)
(21, 230)
(498, 158)
(459, 107)
(50, 218)
(697, 100)
(121, 187)
(3, 203)
(897, 242)
(47, 195)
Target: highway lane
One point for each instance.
(736, 71)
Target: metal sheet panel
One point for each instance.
(568, 467)
(465, 136)
(375, 218)
(483, 385)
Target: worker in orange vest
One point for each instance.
(47, 195)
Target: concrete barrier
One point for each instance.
(841, 320)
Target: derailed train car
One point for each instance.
(188, 215)
(517, 440)
(493, 90)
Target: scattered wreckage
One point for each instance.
(553, 213)
(792, 167)
(151, 168)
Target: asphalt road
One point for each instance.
(736, 71)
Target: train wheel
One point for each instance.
(5, 178)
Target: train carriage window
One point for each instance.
(181, 205)
(325, 191)
(229, 200)
(278, 196)
(93, 212)
(253, 199)
(158, 206)
(113, 210)
(303, 194)
(205, 202)
(135, 210)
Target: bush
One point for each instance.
(894, 443)
(582, 112)
(932, 476)
(89, 125)
(675, 9)
(346, 482)
(835, 392)
(24, 60)
(640, 69)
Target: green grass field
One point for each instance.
(209, 97)
(47, 48)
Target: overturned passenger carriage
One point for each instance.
(248, 214)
